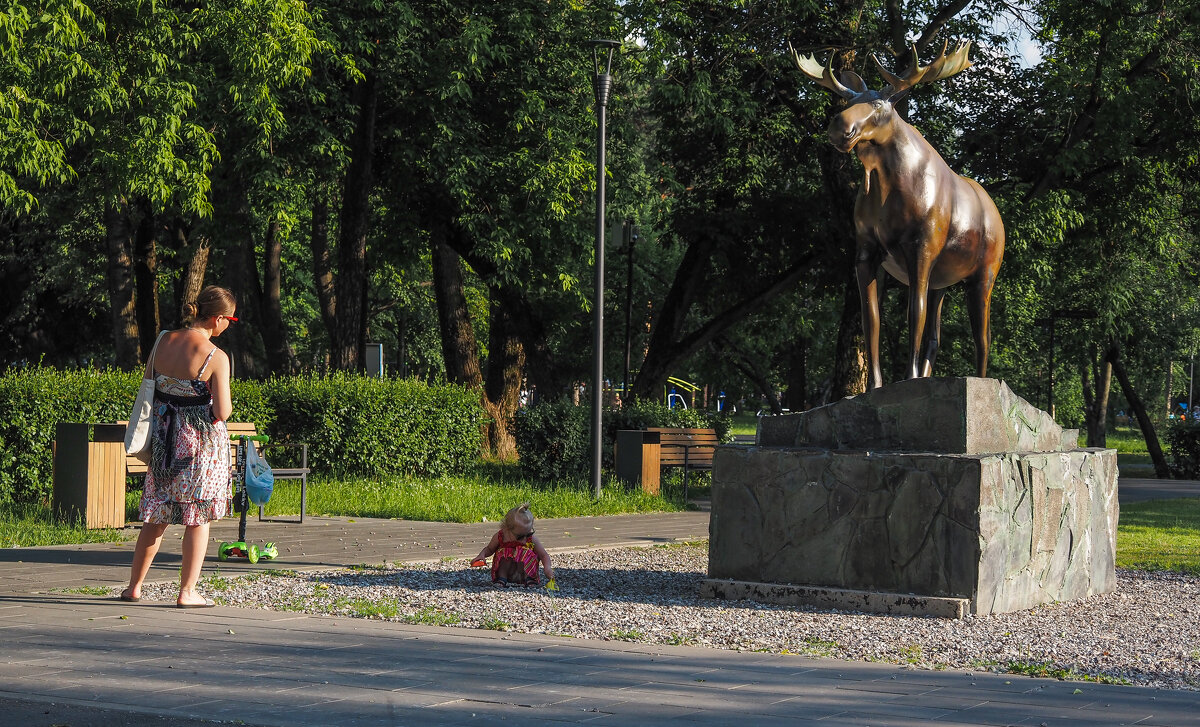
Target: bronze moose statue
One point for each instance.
(923, 223)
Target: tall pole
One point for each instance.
(630, 238)
(602, 85)
(1192, 370)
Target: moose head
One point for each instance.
(869, 115)
(914, 217)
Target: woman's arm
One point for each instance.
(218, 384)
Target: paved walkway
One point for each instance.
(71, 658)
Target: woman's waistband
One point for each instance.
(177, 400)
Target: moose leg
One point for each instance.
(918, 292)
(979, 304)
(868, 296)
(933, 330)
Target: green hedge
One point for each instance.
(363, 426)
(554, 437)
(353, 425)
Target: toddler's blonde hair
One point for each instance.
(518, 518)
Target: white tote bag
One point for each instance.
(137, 432)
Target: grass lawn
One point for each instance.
(467, 498)
(33, 525)
(1160, 535)
(744, 423)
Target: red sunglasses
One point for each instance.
(231, 319)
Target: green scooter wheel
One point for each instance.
(230, 550)
(252, 553)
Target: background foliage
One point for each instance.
(420, 174)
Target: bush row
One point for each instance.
(352, 424)
(554, 437)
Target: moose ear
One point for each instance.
(854, 81)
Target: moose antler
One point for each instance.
(824, 75)
(943, 67)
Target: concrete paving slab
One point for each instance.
(162, 663)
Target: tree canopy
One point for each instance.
(421, 174)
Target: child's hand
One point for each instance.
(551, 585)
(478, 563)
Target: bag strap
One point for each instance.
(150, 361)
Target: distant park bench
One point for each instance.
(642, 453)
(136, 467)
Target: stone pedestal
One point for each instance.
(937, 496)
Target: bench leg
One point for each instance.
(685, 474)
(303, 495)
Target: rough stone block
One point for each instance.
(965, 415)
(901, 491)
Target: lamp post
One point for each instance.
(631, 237)
(602, 85)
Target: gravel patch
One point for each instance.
(1146, 632)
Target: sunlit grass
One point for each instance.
(465, 498)
(744, 423)
(24, 526)
(1160, 535)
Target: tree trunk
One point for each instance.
(458, 334)
(145, 277)
(354, 225)
(281, 359)
(191, 279)
(458, 345)
(232, 204)
(1139, 409)
(505, 372)
(796, 384)
(323, 263)
(120, 285)
(1170, 375)
(849, 365)
(1095, 396)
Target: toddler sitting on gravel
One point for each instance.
(516, 552)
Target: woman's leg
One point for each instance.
(195, 546)
(143, 555)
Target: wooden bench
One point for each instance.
(135, 466)
(690, 449)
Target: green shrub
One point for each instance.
(250, 404)
(554, 438)
(365, 426)
(353, 425)
(1183, 442)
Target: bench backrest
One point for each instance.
(701, 443)
(135, 466)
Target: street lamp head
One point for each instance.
(603, 81)
(597, 45)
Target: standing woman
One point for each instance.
(188, 480)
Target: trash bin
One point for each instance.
(637, 458)
(89, 473)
